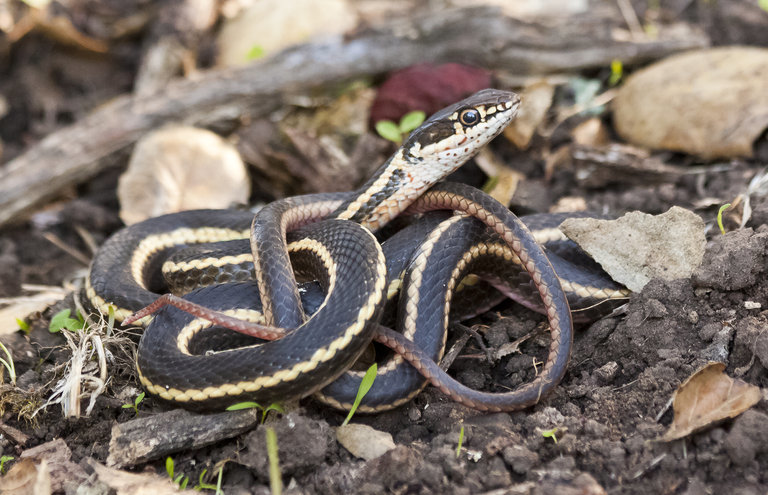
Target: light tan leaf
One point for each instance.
(503, 179)
(125, 483)
(639, 247)
(267, 26)
(706, 397)
(26, 477)
(710, 103)
(181, 168)
(21, 307)
(536, 100)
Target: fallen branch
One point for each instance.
(480, 36)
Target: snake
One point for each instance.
(327, 242)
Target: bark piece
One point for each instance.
(144, 439)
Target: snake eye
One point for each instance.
(469, 117)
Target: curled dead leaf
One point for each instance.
(181, 168)
(706, 397)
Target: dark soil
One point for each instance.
(607, 413)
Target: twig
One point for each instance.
(480, 36)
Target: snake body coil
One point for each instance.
(351, 270)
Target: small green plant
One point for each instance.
(720, 217)
(3, 460)
(763, 4)
(62, 320)
(365, 386)
(23, 325)
(275, 477)
(617, 72)
(461, 441)
(255, 405)
(202, 485)
(395, 132)
(8, 364)
(550, 434)
(180, 480)
(256, 52)
(135, 405)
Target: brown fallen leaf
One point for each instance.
(706, 397)
(27, 477)
(125, 483)
(711, 103)
(536, 100)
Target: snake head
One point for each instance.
(456, 133)
(443, 143)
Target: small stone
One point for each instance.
(363, 441)
(519, 458)
(693, 317)
(653, 308)
(708, 331)
(606, 373)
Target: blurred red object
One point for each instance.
(426, 87)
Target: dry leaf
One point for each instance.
(638, 247)
(706, 397)
(125, 483)
(21, 307)
(181, 168)
(26, 477)
(267, 26)
(505, 179)
(57, 459)
(710, 103)
(591, 132)
(535, 102)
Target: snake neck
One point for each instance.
(384, 196)
(438, 147)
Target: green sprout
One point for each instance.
(550, 434)
(8, 364)
(255, 405)
(4, 459)
(62, 320)
(720, 217)
(395, 132)
(275, 478)
(617, 72)
(23, 325)
(202, 485)
(365, 386)
(763, 4)
(256, 52)
(461, 441)
(180, 480)
(135, 405)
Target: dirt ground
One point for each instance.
(607, 413)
